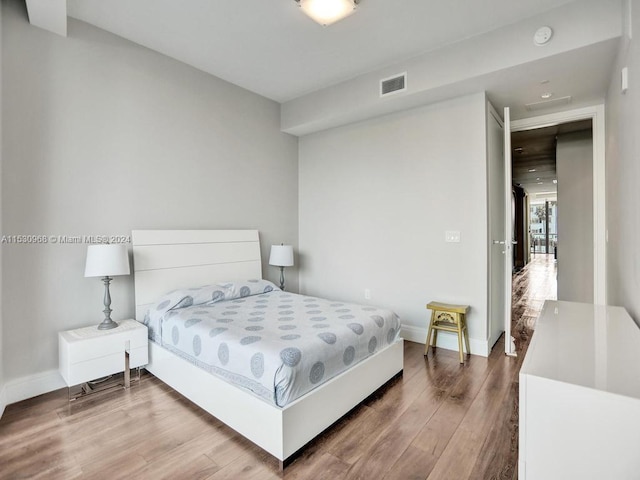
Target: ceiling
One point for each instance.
(273, 49)
(533, 157)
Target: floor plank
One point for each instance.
(440, 420)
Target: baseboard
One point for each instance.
(446, 340)
(3, 399)
(32, 385)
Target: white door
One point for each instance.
(507, 235)
(500, 227)
(496, 208)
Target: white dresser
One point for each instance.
(580, 395)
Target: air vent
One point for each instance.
(395, 84)
(556, 102)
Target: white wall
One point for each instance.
(376, 198)
(2, 389)
(102, 136)
(623, 172)
(574, 168)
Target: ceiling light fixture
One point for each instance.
(326, 12)
(546, 95)
(532, 169)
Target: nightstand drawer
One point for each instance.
(103, 366)
(88, 353)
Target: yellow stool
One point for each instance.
(450, 318)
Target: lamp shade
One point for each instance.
(281, 256)
(107, 260)
(326, 12)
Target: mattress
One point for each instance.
(276, 344)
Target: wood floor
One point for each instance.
(441, 420)
(533, 285)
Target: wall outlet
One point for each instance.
(367, 294)
(452, 236)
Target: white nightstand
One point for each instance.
(88, 353)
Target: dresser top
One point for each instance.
(592, 346)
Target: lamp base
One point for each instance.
(282, 278)
(107, 324)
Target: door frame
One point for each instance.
(597, 115)
(509, 344)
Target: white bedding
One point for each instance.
(276, 344)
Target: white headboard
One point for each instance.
(164, 260)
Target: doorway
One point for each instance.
(597, 236)
(552, 176)
(598, 232)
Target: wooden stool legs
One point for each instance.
(450, 318)
(466, 338)
(432, 334)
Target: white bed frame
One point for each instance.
(168, 259)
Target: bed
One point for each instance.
(280, 420)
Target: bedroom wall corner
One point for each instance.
(376, 198)
(623, 169)
(102, 136)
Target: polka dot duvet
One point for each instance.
(278, 345)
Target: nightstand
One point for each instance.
(88, 353)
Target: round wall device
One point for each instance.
(542, 36)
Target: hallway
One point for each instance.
(532, 285)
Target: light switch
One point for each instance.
(452, 236)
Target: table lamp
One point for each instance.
(107, 261)
(281, 256)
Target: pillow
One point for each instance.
(247, 288)
(208, 294)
